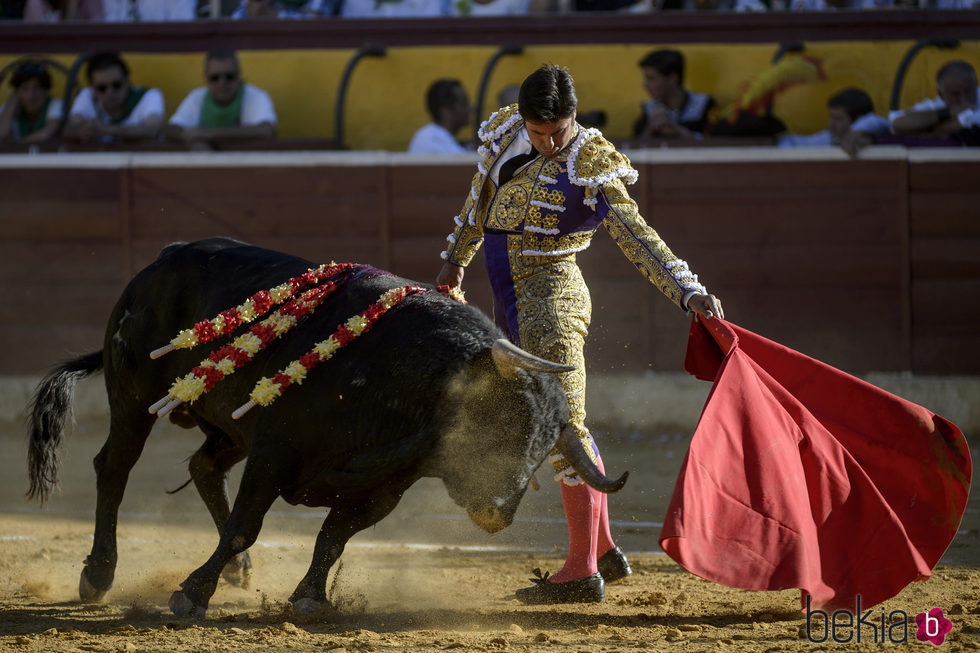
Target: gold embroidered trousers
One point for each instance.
(547, 314)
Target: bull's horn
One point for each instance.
(508, 358)
(571, 448)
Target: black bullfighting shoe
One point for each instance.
(614, 566)
(590, 589)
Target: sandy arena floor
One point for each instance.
(425, 579)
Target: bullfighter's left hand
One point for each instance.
(450, 275)
(706, 306)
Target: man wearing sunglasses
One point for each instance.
(225, 110)
(111, 109)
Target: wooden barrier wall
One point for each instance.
(869, 265)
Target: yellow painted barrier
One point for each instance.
(385, 101)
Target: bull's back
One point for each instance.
(380, 379)
(187, 282)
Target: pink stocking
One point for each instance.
(604, 541)
(582, 505)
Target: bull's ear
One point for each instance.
(508, 358)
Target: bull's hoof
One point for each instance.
(307, 607)
(182, 606)
(87, 592)
(238, 571)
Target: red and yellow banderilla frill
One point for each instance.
(254, 307)
(225, 360)
(268, 390)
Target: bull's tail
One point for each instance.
(49, 407)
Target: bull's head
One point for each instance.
(508, 412)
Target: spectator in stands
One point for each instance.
(508, 95)
(110, 108)
(30, 114)
(449, 107)
(612, 5)
(394, 8)
(129, 11)
(283, 9)
(956, 108)
(497, 7)
(225, 109)
(55, 10)
(849, 112)
(673, 111)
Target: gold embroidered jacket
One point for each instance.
(557, 204)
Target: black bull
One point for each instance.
(431, 391)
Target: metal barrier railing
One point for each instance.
(942, 44)
(364, 51)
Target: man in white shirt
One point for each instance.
(450, 109)
(111, 109)
(226, 109)
(956, 108)
(673, 111)
(850, 118)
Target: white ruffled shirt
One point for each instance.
(520, 145)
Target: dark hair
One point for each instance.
(104, 61)
(852, 100)
(31, 70)
(221, 54)
(958, 67)
(547, 95)
(666, 62)
(441, 93)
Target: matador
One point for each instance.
(543, 186)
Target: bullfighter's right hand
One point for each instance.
(450, 275)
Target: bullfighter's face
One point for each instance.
(549, 138)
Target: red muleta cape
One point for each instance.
(800, 475)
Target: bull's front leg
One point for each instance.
(209, 469)
(340, 525)
(258, 490)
